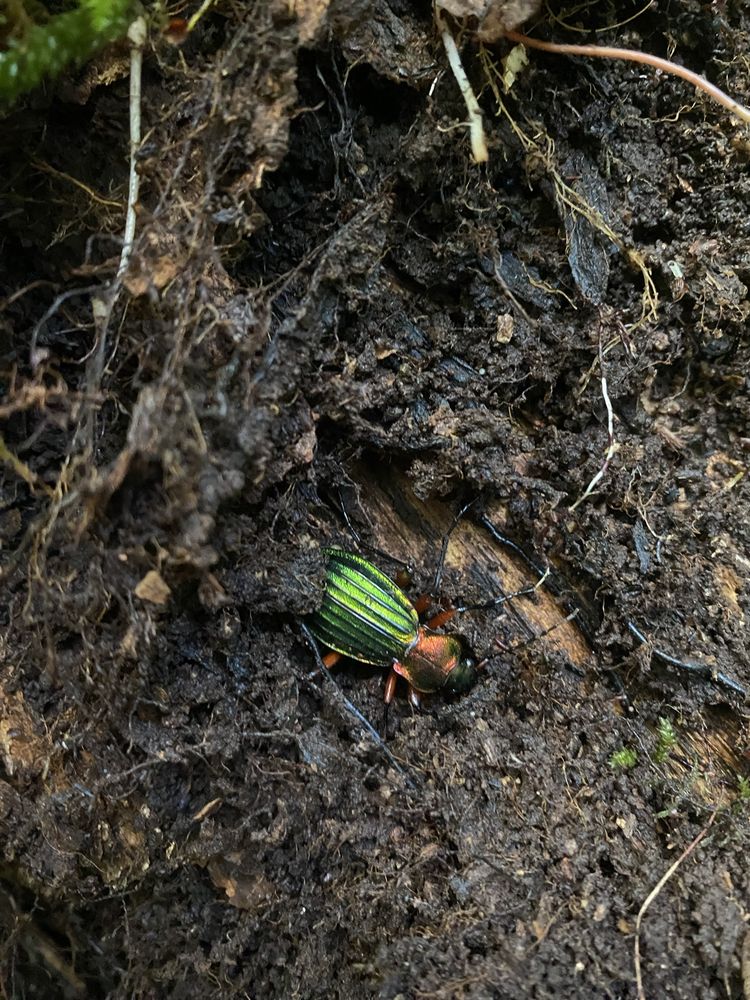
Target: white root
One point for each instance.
(137, 39)
(476, 125)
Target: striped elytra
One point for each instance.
(363, 614)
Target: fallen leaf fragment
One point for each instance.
(152, 588)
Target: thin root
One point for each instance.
(611, 445)
(21, 469)
(702, 669)
(646, 59)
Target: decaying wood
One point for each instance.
(706, 762)
(411, 530)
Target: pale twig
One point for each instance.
(193, 20)
(652, 896)
(476, 126)
(104, 306)
(646, 59)
(137, 39)
(611, 445)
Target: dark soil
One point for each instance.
(333, 315)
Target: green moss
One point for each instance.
(38, 50)
(623, 760)
(667, 740)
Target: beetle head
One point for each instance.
(464, 674)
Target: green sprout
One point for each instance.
(667, 740)
(743, 788)
(624, 759)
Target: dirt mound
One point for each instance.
(335, 327)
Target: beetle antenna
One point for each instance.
(367, 545)
(353, 710)
(555, 586)
(444, 546)
(540, 635)
(496, 601)
(345, 514)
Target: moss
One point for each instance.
(37, 50)
(624, 759)
(667, 740)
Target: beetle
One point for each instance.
(366, 616)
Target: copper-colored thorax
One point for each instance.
(429, 661)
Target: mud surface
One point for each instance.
(332, 314)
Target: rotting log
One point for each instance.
(705, 762)
(412, 530)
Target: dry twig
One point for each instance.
(137, 39)
(652, 896)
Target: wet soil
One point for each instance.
(337, 328)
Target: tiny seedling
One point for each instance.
(623, 760)
(667, 740)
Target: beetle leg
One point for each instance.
(390, 691)
(422, 603)
(441, 618)
(390, 686)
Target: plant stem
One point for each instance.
(137, 39)
(476, 126)
(633, 55)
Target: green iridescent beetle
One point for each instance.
(366, 616)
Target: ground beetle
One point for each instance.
(365, 616)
